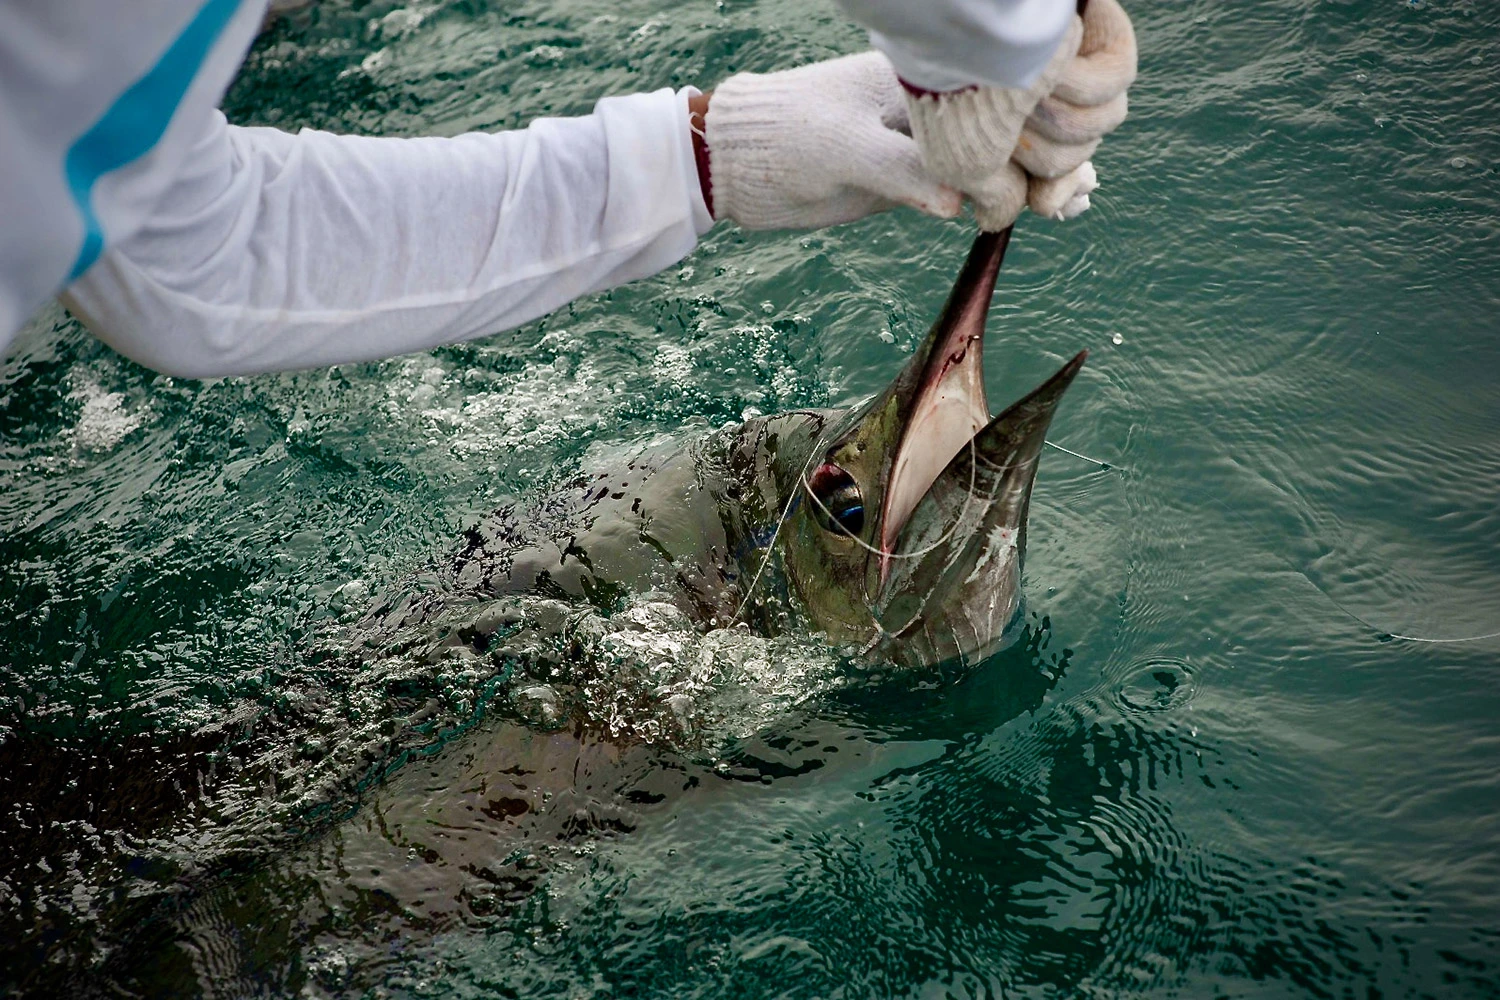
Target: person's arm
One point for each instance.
(220, 250)
(274, 251)
(98, 100)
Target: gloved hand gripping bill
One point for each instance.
(1009, 147)
(837, 140)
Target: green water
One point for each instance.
(1210, 771)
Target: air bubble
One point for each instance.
(1117, 339)
(1459, 162)
(1156, 685)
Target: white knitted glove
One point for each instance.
(1062, 197)
(985, 140)
(816, 146)
(1088, 101)
(967, 136)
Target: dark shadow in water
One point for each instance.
(1038, 851)
(1045, 854)
(1039, 847)
(69, 803)
(461, 840)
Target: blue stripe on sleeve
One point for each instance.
(137, 120)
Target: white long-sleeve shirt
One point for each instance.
(200, 248)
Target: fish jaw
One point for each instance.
(955, 599)
(947, 416)
(948, 406)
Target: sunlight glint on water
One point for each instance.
(1197, 776)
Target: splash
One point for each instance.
(104, 419)
(648, 673)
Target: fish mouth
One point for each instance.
(948, 436)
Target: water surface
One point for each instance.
(1211, 770)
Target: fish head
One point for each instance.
(908, 534)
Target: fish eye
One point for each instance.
(840, 507)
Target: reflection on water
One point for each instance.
(1197, 777)
(470, 839)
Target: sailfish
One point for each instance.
(895, 528)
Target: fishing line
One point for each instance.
(785, 513)
(807, 486)
(881, 632)
(968, 497)
(1065, 451)
(1380, 632)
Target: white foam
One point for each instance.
(103, 419)
(655, 676)
(533, 409)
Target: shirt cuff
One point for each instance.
(960, 43)
(703, 220)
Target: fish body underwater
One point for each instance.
(896, 529)
(899, 525)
